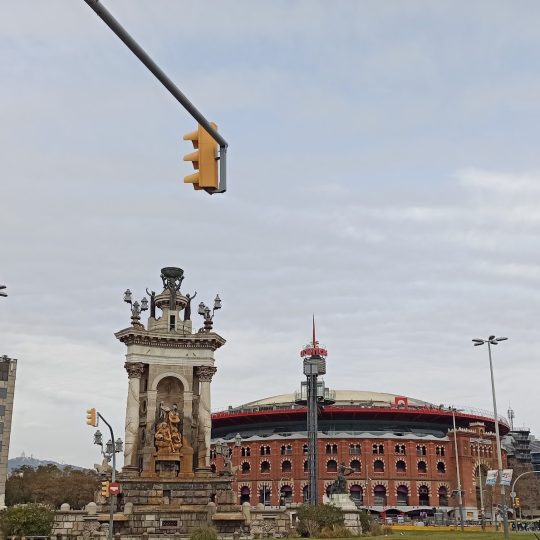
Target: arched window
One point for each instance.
(400, 449)
(441, 467)
(443, 496)
(285, 495)
(264, 495)
(305, 493)
(286, 466)
(331, 449)
(355, 465)
(422, 467)
(423, 496)
(378, 465)
(246, 467)
(265, 467)
(286, 450)
(378, 448)
(331, 466)
(246, 451)
(212, 453)
(265, 450)
(379, 495)
(402, 494)
(421, 450)
(357, 494)
(305, 449)
(244, 494)
(439, 450)
(306, 466)
(401, 466)
(355, 449)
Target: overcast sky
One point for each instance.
(383, 173)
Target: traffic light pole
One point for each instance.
(141, 54)
(113, 479)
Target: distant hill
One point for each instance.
(25, 461)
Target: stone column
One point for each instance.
(188, 417)
(135, 371)
(205, 374)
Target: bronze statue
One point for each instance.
(152, 296)
(187, 309)
(340, 484)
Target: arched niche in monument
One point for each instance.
(170, 395)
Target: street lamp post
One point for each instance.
(112, 448)
(482, 519)
(492, 340)
(460, 491)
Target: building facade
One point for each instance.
(8, 372)
(399, 452)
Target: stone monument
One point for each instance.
(167, 483)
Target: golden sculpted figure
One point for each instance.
(168, 439)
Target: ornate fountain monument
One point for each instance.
(167, 484)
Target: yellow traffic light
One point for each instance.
(105, 488)
(204, 159)
(91, 417)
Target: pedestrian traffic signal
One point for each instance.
(204, 159)
(105, 488)
(91, 417)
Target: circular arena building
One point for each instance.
(400, 452)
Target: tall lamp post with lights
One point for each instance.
(459, 489)
(492, 340)
(207, 314)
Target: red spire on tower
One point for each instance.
(313, 348)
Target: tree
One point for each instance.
(50, 485)
(26, 520)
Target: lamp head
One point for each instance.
(127, 296)
(202, 307)
(217, 302)
(98, 438)
(144, 304)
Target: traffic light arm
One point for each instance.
(141, 54)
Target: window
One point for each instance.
(3, 393)
(306, 466)
(286, 466)
(212, 453)
(378, 466)
(379, 495)
(331, 466)
(265, 467)
(354, 449)
(285, 495)
(264, 495)
(402, 497)
(422, 467)
(421, 450)
(441, 467)
(244, 495)
(265, 450)
(355, 465)
(305, 449)
(401, 466)
(443, 496)
(378, 449)
(400, 449)
(213, 467)
(439, 450)
(305, 493)
(423, 496)
(246, 451)
(286, 450)
(331, 449)
(172, 322)
(246, 467)
(357, 495)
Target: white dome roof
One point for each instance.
(342, 398)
